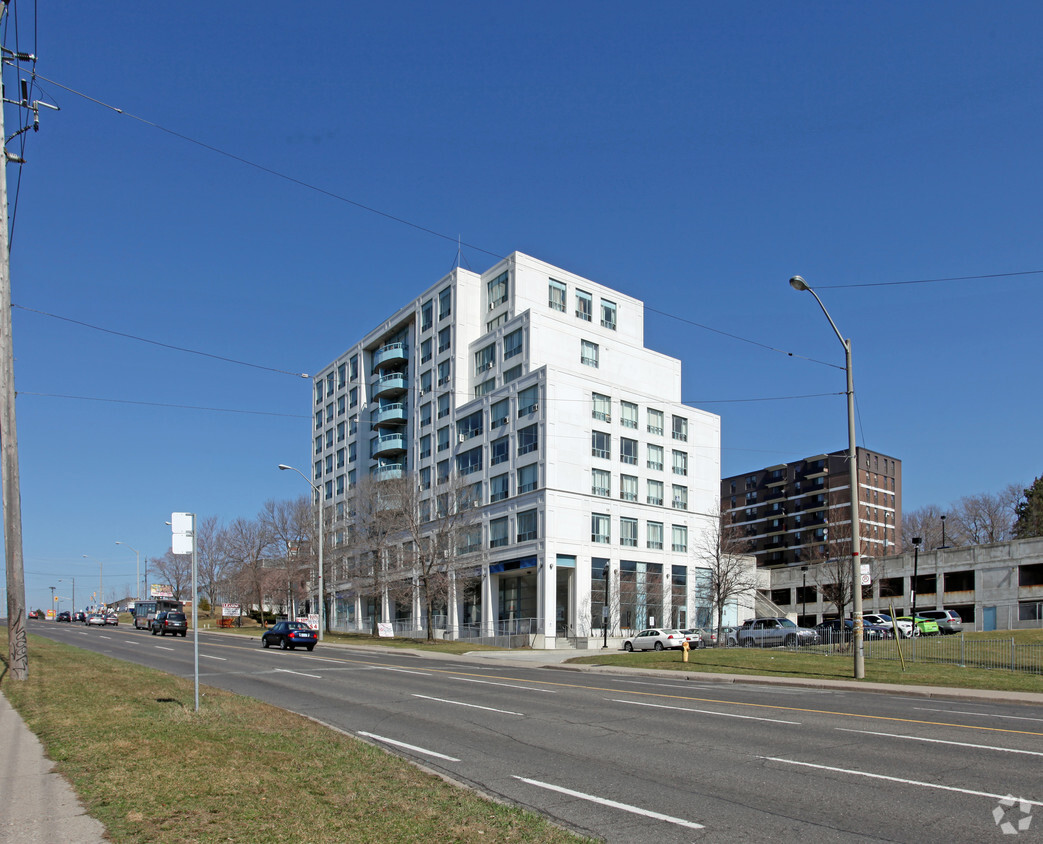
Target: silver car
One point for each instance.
(655, 638)
(948, 621)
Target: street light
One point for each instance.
(137, 555)
(916, 567)
(804, 592)
(318, 507)
(101, 581)
(53, 608)
(73, 579)
(943, 545)
(607, 573)
(798, 283)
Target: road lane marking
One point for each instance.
(162, 648)
(943, 741)
(299, 673)
(207, 656)
(505, 685)
(704, 711)
(412, 747)
(603, 801)
(902, 780)
(979, 714)
(470, 705)
(404, 671)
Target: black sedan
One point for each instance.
(289, 635)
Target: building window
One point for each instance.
(444, 369)
(602, 407)
(342, 376)
(654, 536)
(425, 350)
(680, 539)
(318, 469)
(499, 413)
(655, 493)
(628, 451)
(485, 387)
(556, 295)
(352, 452)
(498, 290)
(318, 418)
(340, 431)
(608, 314)
(680, 429)
(599, 528)
(340, 458)
(425, 414)
(600, 482)
(425, 478)
(601, 445)
(513, 344)
(499, 488)
(496, 322)
(680, 495)
(512, 374)
(469, 426)
(655, 422)
(588, 353)
(498, 532)
(528, 478)
(500, 451)
(443, 406)
(329, 438)
(680, 463)
(341, 404)
(445, 303)
(628, 532)
(318, 444)
(340, 484)
(526, 525)
(425, 446)
(528, 439)
(445, 339)
(584, 305)
(425, 382)
(529, 400)
(628, 487)
(485, 359)
(470, 461)
(655, 457)
(443, 438)
(443, 471)
(628, 414)
(426, 312)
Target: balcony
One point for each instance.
(390, 414)
(391, 353)
(393, 383)
(394, 443)
(389, 471)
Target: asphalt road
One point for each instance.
(644, 758)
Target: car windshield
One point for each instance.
(298, 626)
(785, 622)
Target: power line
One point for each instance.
(162, 404)
(926, 280)
(163, 345)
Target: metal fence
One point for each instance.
(950, 650)
(516, 633)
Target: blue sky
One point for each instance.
(694, 155)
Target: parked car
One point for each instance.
(905, 628)
(64, 615)
(700, 637)
(842, 630)
(170, 621)
(655, 638)
(112, 619)
(729, 635)
(80, 616)
(948, 621)
(924, 626)
(95, 620)
(289, 635)
(768, 632)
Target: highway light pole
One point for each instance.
(798, 283)
(318, 524)
(101, 579)
(73, 579)
(916, 571)
(137, 569)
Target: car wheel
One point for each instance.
(284, 645)
(628, 647)
(746, 643)
(183, 635)
(658, 646)
(311, 648)
(153, 631)
(791, 641)
(264, 642)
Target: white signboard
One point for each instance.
(229, 610)
(386, 630)
(313, 621)
(867, 578)
(181, 529)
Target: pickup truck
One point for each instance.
(769, 632)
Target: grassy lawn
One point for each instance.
(151, 769)
(777, 662)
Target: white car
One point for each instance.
(905, 628)
(655, 638)
(95, 619)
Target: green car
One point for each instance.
(924, 626)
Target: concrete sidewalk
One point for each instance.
(39, 805)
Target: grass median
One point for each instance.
(151, 769)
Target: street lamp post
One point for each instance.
(318, 507)
(607, 572)
(798, 283)
(804, 592)
(73, 579)
(101, 579)
(916, 569)
(137, 569)
(943, 534)
(53, 608)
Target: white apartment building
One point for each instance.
(534, 385)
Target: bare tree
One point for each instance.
(724, 548)
(248, 545)
(291, 526)
(831, 571)
(211, 557)
(176, 570)
(376, 522)
(926, 523)
(985, 518)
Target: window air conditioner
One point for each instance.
(462, 437)
(534, 407)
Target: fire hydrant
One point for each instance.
(684, 649)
